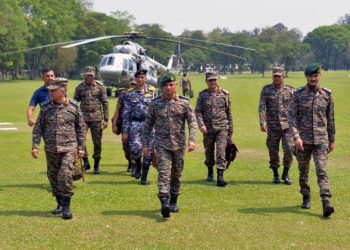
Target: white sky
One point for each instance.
(177, 15)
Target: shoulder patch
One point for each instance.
(74, 102)
(327, 90)
(156, 98)
(225, 91)
(183, 97)
(100, 83)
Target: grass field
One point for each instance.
(112, 211)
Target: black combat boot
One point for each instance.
(276, 178)
(97, 166)
(165, 209)
(66, 213)
(138, 168)
(86, 163)
(306, 202)
(144, 174)
(221, 182)
(327, 208)
(58, 209)
(210, 174)
(285, 176)
(173, 203)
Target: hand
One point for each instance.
(299, 144)
(146, 151)
(331, 146)
(191, 146)
(81, 153)
(263, 128)
(104, 124)
(114, 129)
(203, 129)
(125, 137)
(35, 153)
(31, 122)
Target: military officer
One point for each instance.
(93, 102)
(134, 115)
(167, 115)
(117, 118)
(186, 85)
(61, 125)
(273, 104)
(213, 113)
(311, 118)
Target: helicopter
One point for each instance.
(116, 69)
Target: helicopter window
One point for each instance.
(104, 61)
(132, 66)
(125, 64)
(110, 60)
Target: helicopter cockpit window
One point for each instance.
(110, 60)
(104, 61)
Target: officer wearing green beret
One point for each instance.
(311, 119)
(167, 115)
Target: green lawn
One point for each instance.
(112, 211)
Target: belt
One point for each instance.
(138, 119)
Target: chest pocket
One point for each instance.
(69, 116)
(221, 102)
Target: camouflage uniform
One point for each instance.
(62, 128)
(134, 114)
(273, 113)
(168, 117)
(311, 118)
(213, 110)
(186, 86)
(91, 98)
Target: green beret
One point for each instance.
(313, 68)
(167, 77)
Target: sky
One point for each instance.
(205, 15)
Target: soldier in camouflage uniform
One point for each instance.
(311, 118)
(274, 101)
(213, 113)
(61, 125)
(167, 115)
(118, 115)
(186, 85)
(134, 115)
(92, 97)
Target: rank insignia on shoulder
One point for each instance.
(74, 102)
(225, 91)
(100, 83)
(327, 90)
(183, 97)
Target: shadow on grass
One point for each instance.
(41, 214)
(206, 183)
(121, 173)
(148, 214)
(279, 210)
(45, 187)
(132, 181)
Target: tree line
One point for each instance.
(32, 23)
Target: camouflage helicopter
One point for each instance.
(115, 69)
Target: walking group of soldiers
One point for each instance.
(153, 129)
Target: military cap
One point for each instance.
(210, 75)
(277, 71)
(132, 80)
(313, 68)
(90, 70)
(141, 72)
(57, 83)
(167, 77)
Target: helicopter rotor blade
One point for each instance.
(93, 40)
(204, 41)
(38, 47)
(196, 46)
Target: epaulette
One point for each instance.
(327, 90)
(225, 91)
(156, 98)
(100, 83)
(131, 89)
(183, 97)
(45, 103)
(74, 102)
(289, 86)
